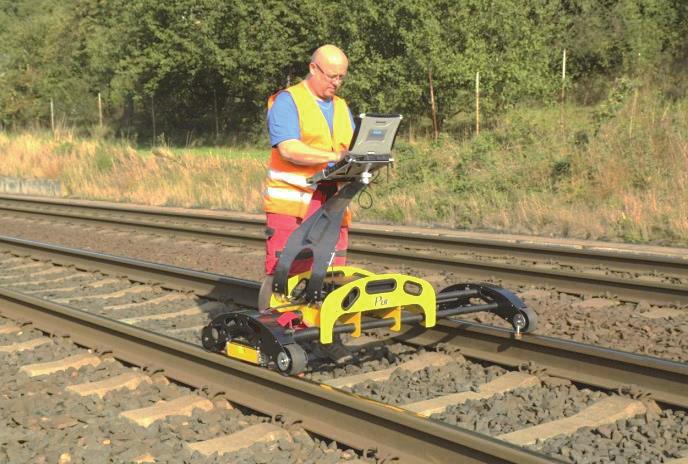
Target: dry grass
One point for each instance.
(623, 177)
(104, 171)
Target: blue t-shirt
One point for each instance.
(283, 118)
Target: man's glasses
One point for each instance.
(331, 78)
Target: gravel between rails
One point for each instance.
(499, 414)
(365, 360)
(585, 319)
(408, 387)
(642, 439)
(520, 408)
(653, 437)
(41, 422)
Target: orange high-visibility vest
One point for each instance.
(286, 189)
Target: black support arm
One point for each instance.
(316, 236)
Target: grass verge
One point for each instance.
(618, 172)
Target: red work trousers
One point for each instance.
(280, 227)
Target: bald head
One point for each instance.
(328, 69)
(329, 54)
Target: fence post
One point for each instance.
(477, 103)
(435, 129)
(633, 108)
(217, 119)
(155, 135)
(100, 111)
(52, 116)
(563, 91)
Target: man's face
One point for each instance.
(327, 77)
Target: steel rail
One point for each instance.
(347, 418)
(663, 380)
(666, 381)
(568, 252)
(425, 250)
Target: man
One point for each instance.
(309, 127)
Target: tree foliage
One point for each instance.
(207, 66)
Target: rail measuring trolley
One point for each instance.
(315, 306)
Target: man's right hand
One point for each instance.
(298, 152)
(342, 154)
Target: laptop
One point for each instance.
(374, 134)
(370, 148)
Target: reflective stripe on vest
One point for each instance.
(289, 195)
(286, 176)
(289, 178)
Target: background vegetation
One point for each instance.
(609, 162)
(195, 63)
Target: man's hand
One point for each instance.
(342, 154)
(298, 152)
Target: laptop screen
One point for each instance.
(374, 134)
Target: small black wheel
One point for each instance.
(214, 338)
(292, 360)
(526, 318)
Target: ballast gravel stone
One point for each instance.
(649, 438)
(665, 313)
(42, 421)
(404, 386)
(22, 335)
(365, 360)
(501, 384)
(520, 408)
(622, 327)
(415, 364)
(603, 412)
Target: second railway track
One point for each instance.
(149, 314)
(628, 273)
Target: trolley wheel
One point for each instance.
(214, 338)
(526, 318)
(292, 360)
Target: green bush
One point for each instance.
(103, 160)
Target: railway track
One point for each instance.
(71, 404)
(150, 315)
(629, 273)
